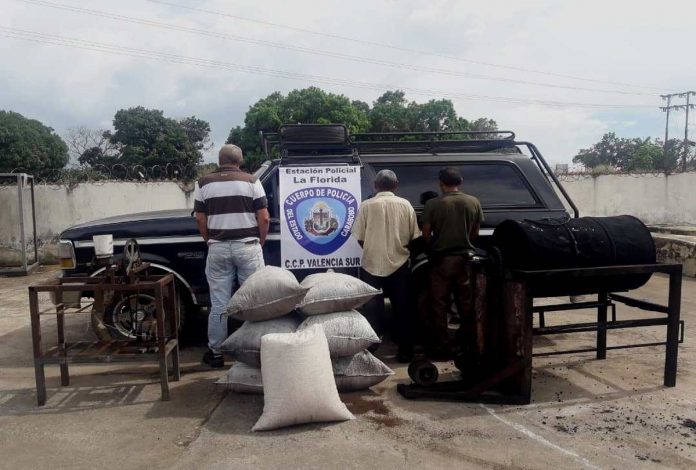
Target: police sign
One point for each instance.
(318, 208)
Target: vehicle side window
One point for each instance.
(494, 184)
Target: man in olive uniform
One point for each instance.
(451, 223)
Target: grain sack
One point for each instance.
(270, 292)
(347, 332)
(244, 345)
(358, 372)
(334, 292)
(242, 378)
(298, 381)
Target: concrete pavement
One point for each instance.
(585, 414)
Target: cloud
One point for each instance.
(620, 41)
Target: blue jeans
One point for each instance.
(227, 262)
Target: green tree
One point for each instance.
(307, 106)
(198, 132)
(433, 116)
(28, 145)
(611, 150)
(645, 156)
(668, 160)
(146, 137)
(391, 112)
(633, 154)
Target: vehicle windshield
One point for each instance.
(494, 184)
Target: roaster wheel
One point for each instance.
(423, 372)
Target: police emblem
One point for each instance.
(320, 219)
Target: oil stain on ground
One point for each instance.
(373, 409)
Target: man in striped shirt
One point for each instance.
(232, 216)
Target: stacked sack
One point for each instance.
(331, 302)
(267, 302)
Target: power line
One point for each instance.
(313, 51)
(117, 49)
(398, 48)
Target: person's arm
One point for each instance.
(263, 218)
(359, 226)
(202, 222)
(427, 223)
(474, 232)
(427, 233)
(413, 222)
(201, 210)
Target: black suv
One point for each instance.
(510, 178)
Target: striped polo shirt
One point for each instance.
(230, 199)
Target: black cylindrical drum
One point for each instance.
(577, 243)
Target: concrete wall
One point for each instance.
(655, 199)
(58, 207)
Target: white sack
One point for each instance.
(334, 292)
(244, 345)
(298, 381)
(347, 332)
(242, 378)
(270, 292)
(358, 372)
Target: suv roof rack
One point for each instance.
(433, 142)
(306, 142)
(332, 141)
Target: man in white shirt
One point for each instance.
(385, 226)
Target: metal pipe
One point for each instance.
(20, 208)
(535, 150)
(33, 221)
(674, 303)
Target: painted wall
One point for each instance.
(656, 199)
(58, 207)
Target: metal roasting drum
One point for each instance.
(583, 242)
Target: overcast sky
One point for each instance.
(635, 49)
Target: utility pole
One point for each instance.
(666, 109)
(686, 130)
(686, 107)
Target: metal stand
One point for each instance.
(166, 344)
(605, 300)
(25, 266)
(507, 377)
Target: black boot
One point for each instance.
(214, 360)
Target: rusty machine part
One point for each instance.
(154, 347)
(504, 309)
(127, 316)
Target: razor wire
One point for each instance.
(100, 174)
(589, 174)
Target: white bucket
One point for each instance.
(103, 246)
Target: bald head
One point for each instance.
(230, 155)
(386, 180)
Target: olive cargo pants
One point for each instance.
(450, 277)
